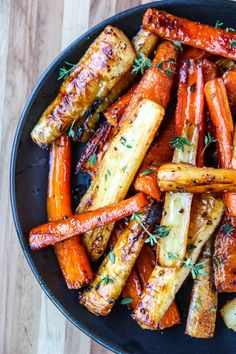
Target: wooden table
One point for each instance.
(33, 32)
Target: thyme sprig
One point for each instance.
(65, 72)
(179, 142)
(141, 64)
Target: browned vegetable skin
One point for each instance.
(144, 42)
(132, 289)
(203, 305)
(107, 60)
(188, 178)
(225, 256)
(229, 78)
(214, 40)
(118, 168)
(228, 314)
(164, 282)
(116, 267)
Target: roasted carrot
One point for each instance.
(209, 70)
(155, 85)
(132, 289)
(225, 256)
(145, 264)
(71, 253)
(161, 152)
(190, 104)
(214, 40)
(53, 232)
(115, 111)
(229, 78)
(221, 117)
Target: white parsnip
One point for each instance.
(165, 282)
(118, 168)
(177, 207)
(228, 312)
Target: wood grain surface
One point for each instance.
(33, 32)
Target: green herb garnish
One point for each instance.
(219, 24)
(71, 132)
(232, 43)
(112, 257)
(93, 159)
(228, 228)
(208, 139)
(141, 64)
(198, 269)
(179, 45)
(126, 301)
(146, 172)
(64, 72)
(168, 71)
(104, 280)
(179, 142)
(191, 247)
(124, 142)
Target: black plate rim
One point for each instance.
(113, 347)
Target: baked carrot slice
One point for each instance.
(221, 117)
(115, 111)
(71, 253)
(55, 231)
(132, 289)
(229, 78)
(190, 104)
(209, 70)
(161, 152)
(214, 40)
(225, 256)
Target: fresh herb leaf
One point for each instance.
(104, 280)
(112, 257)
(212, 309)
(146, 172)
(208, 139)
(187, 263)
(228, 228)
(126, 301)
(191, 247)
(64, 72)
(167, 64)
(124, 142)
(179, 142)
(141, 64)
(198, 269)
(71, 132)
(217, 262)
(179, 45)
(93, 159)
(162, 231)
(232, 43)
(219, 24)
(124, 168)
(108, 172)
(173, 256)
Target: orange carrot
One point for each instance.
(225, 256)
(214, 40)
(132, 289)
(221, 117)
(51, 233)
(114, 112)
(71, 254)
(161, 152)
(229, 78)
(190, 104)
(209, 70)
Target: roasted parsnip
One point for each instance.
(144, 42)
(214, 40)
(116, 267)
(176, 215)
(107, 60)
(203, 306)
(164, 282)
(228, 314)
(188, 178)
(56, 231)
(118, 168)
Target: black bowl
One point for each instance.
(29, 172)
